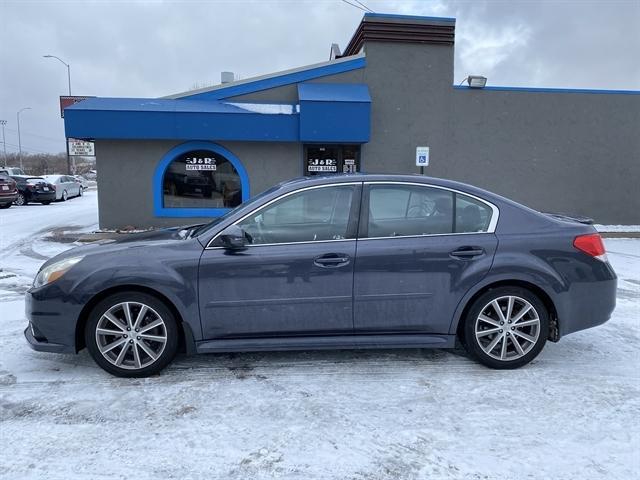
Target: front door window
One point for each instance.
(313, 215)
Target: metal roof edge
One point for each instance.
(549, 90)
(270, 80)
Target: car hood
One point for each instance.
(126, 241)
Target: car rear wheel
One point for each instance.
(21, 200)
(65, 196)
(131, 335)
(506, 327)
(5, 205)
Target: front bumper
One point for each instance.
(53, 319)
(44, 346)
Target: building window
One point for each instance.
(199, 179)
(328, 159)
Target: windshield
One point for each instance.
(208, 226)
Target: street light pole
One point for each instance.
(19, 140)
(66, 65)
(66, 140)
(4, 142)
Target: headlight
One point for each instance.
(54, 271)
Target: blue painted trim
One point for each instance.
(160, 210)
(550, 90)
(409, 17)
(280, 80)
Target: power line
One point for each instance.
(28, 149)
(360, 3)
(52, 139)
(355, 5)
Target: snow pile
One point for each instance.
(267, 108)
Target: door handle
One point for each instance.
(467, 252)
(331, 260)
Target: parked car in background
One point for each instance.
(8, 191)
(354, 261)
(84, 183)
(11, 171)
(66, 186)
(34, 189)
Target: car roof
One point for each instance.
(382, 177)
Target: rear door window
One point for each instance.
(409, 210)
(471, 215)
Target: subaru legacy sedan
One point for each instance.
(356, 261)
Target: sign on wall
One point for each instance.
(201, 163)
(81, 148)
(322, 165)
(422, 156)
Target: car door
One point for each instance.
(420, 248)
(295, 276)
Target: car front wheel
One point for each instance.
(131, 335)
(506, 327)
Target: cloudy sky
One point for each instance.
(155, 48)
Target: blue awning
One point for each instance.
(337, 111)
(326, 113)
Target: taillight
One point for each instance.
(591, 244)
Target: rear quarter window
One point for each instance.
(471, 215)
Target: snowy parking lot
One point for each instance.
(573, 413)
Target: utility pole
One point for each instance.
(19, 139)
(4, 142)
(66, 140)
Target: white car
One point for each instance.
(66, 186)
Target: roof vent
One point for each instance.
(226, 77)
(335, 51)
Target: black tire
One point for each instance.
(5, 205)
(46, 203)
(80, 191)
(21, 200)
(65, 196)
(532, 349)
(159, 307)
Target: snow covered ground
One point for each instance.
(574, 413)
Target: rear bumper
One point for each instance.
(587, 305)
(42, 197)
(10, 198)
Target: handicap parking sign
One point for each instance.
(422, 156)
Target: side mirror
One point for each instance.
(233, 237)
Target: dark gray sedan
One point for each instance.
(357, 261)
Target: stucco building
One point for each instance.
(193, 155)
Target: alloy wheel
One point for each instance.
(20, 200)
(507, 328)
(65, 195)
(131, 335)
